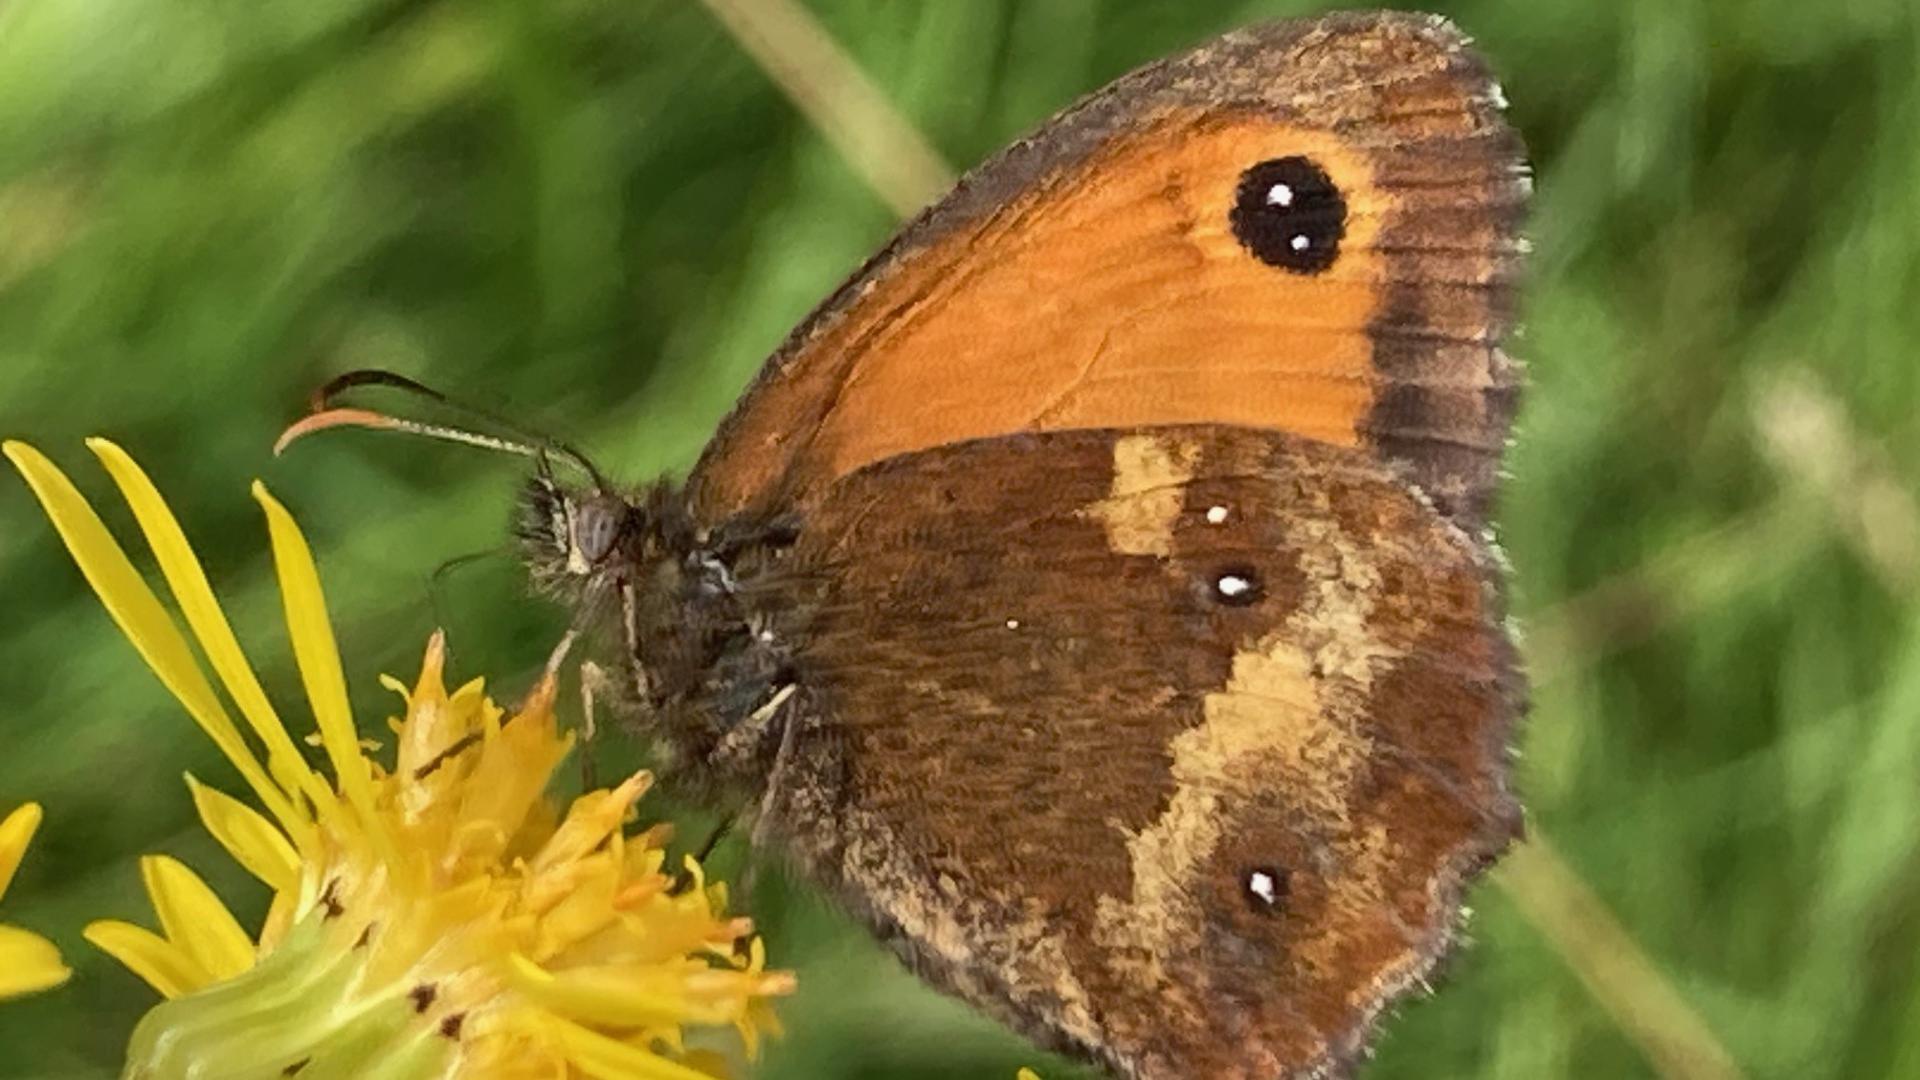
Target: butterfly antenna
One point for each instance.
(507, 437)
(437, 581)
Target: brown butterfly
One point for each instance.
(1095, 593)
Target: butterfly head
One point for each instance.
(575, 536)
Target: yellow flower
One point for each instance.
(28, 962)
(438, 917)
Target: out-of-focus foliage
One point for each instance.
(598, 216)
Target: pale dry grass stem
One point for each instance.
(1682, 579)
(838, 98)
(1613, 967)
(1805, 432)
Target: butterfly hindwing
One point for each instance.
(1174, 745)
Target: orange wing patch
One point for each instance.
(1117, 299)
(1122, 298)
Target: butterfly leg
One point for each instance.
(765, 715)
(437, 581)
(752, 731)
(595, 681)
(682, 878)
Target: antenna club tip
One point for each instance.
(332, 418)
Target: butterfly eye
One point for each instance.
(1265, 888)
(1288, 212)
(596, 528)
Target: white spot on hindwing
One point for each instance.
(1233, 586)
(1263, 886)
(1216, 515)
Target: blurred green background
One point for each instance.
(599, 215)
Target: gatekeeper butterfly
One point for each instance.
(1095, 594)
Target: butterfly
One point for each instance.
(1096, 593)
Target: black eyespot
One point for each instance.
(1237, 586)
(1289, 214)
(1265, 888)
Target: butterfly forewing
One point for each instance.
(1309, 227)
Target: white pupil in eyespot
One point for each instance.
(1300, 242)
(1280, 195)
(1231, 585)
(1261, 884)
(1216, 515)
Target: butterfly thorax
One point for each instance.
(701, 647)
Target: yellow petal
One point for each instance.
(279, 920)
(432, 725)
(319, 659)
(16, 832)
(610, 1059)
(1027, 1074)
(581, 913)
(709, 1063)
(589, 821)
(251, 839)
(759, 1018)
(194, 919)
(28, 963)
(504, 789)
(148, 955)
(616, 996)
(140, 616)
(209, 624)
